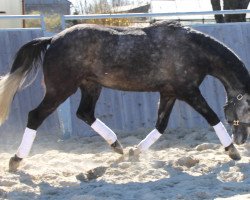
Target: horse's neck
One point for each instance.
(235, 78)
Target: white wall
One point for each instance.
(11, 7)
(169, 6)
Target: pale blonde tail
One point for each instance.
(28, 57)
(9, 85)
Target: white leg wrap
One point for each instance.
(26, 144)
(104, 131)
(151, 138)
(223, 135)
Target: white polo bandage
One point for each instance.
(104, 131)
(222, 134)
(151, 138)
(26, 144)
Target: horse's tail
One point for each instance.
(29, 57)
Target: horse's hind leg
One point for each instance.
(165, 108)
(50, 102)
(86, 112)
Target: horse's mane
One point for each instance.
(225, 57)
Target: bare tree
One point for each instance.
(100, 7)
(116, 3)
(80, 7)
(230, 5)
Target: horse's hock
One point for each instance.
(125, 111)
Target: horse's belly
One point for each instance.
(126, 86)
(136, 84)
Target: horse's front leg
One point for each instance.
(86, 112)
(165, 108)
(197, 101)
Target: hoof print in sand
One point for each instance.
(206, 146)
(188, 161)
(91, 174)
(133, 155)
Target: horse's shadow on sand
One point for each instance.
(179, 185)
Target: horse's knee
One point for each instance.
(88, 118)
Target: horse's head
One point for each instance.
(237, 111)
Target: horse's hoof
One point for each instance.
(117, 147)
(14, 163)
(233, 152)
